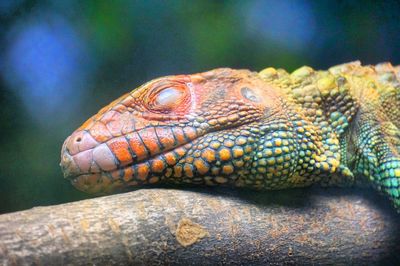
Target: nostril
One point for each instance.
(80, 141)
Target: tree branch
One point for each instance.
(167, 226)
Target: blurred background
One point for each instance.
(61, 61)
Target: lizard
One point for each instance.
(264, 130)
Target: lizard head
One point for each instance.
(198, 128)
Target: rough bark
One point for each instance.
(167, 226)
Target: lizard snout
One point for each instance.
(77, 154)
(82, 161)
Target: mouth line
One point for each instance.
(135, 159)
(109, 174)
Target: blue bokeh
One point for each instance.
(47, 65)
(291, 24)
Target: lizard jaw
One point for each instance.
(150, 171)
(133, 159)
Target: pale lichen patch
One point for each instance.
(188, 232)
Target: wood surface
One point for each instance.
(206, 226)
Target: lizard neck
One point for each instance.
(326, 105)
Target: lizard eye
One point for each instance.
(249, 94)
(168, 97)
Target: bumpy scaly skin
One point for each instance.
(267, 130)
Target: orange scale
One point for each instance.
(137, 146)
(157, 166)
(166, 137)
(150, 140)
(190, 132)
(180, 151)
(178, 171)
(143, 171)
(168, 172)
(120, 148)
(178, 133)
(238, 152)
(170, 158)
(227, 169)
(224, 154)
(208, 155)
(187, 168)
(201, 166)
(128, 174)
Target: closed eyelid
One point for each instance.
(167, 96)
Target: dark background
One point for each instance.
(61, 61)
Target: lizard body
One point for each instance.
(266, 130)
